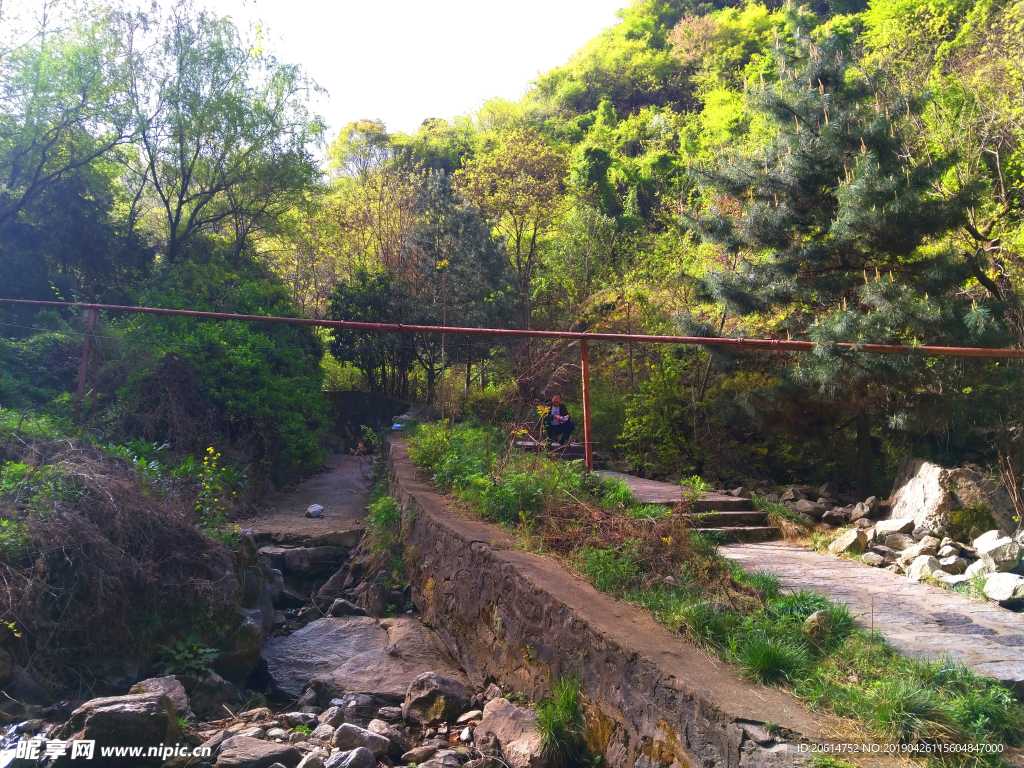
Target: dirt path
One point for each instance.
(343, 491)
(917, 619)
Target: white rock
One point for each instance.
(948, 551)
(473, 714)
(885, 527)
(314, 510)
(466, 736)
(999, 554)
(927, 493)
(951, 580)
(324, 732)
(312, 760)
(1003, 587)
(976, 568)
(515, 730)
(988, 536)
(277, 733)
(922, 567)
(873, 559)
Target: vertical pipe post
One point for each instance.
(588, 445)
(83, 369)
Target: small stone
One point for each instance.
(828, 489)
(873, 559)
(851, 541)
(920, 532)
(252, 732)
(277, 733)
(948, 551)
(312, 760)
(297, 738)
(360, 757)
(323, 732)
(493, 692)
(299, 718)
(866, 525)
(922, 567)
(953, 565)
(1004, 587)
(951, 581)
(740, 493)
(948, 542)
(390, 713)
(870, 535)
(314, 510)
(817, 622)
(341, 607)
(910, 554)
(895, 568)
(466, 736)
(473, 714)
(392, 734)
(791, 494)
(886, 527)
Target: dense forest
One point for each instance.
(841, 172)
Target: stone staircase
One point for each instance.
(734, 519)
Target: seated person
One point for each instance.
(559, 425)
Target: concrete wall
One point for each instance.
(514, 617)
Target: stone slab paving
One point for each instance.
(656, 492)
(917, 619)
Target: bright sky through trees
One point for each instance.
(407, 60)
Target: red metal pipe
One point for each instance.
(770, 344)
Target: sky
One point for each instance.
(404, 61)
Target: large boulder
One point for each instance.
(247, 752)
(513, 730)
(928, 493)
(1004, 588)
(433, 699)
(885, 528)
(360, 757)
(810, 508)
(386, 671)
(398, 744)
(141, 720)
(998, 551)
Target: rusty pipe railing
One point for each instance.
(582, 336)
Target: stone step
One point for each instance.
(567, 451)
(726, 519)
(745, 533)
(716, 502)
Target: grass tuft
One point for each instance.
(561, 723)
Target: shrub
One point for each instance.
(907, 711)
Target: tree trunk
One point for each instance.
(864, 457)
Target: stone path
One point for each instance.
(917, 619)
(343, 491)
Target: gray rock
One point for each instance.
(829, 489)
(342, 607)
(493, 692)
(834, 517)
(273, 556)
(866, 524)
(1000, 553)
(314, 510)
(912, 553)
(390, 713)
(418, 755)
(125, 721)
(170, 687)
(899, 541)
(212, 694)
(357, 653)
(886, 527)
(810, 508)
(473, 714)
(309, 561)
(299, 718)
(360, 757)
(349, 737)
(891, 555)
(953, 565)
(514, 731)
(853, 540)
(312, 760)
(277, 733)
(740, 493)
(357, 708)
(1004, 587)
(873, 504)
(323, 732)
(332, 716)
(922, 567)
(240, 650)
(920, 532)
(948, 551)
(432, 699)
(791, 494)
(399, 744)
(873, 559)
(977, 568)
(861, 511)
(951, 581)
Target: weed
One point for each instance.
(611, 570)
(773, 659)
(561, 723)
(694, 488)
(302, 728)
(383, 521)
(773, 728)
(188, 657)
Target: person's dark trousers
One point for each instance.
(561, 432)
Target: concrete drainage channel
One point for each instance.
(519, 619)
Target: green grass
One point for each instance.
(560, 723)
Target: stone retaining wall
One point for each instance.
(517, 618)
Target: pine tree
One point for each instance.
(829, 217)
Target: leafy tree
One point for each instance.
(829, 205)
(63, 103)
(217, 122)
(518, 186)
